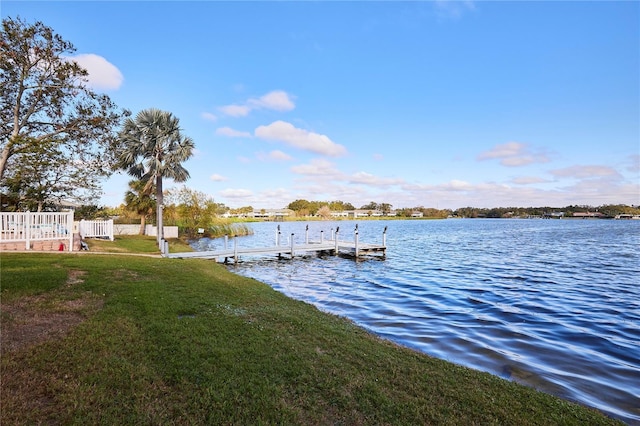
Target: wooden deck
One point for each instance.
(336, 247)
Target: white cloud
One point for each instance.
(369, 179)
(277, 100)
(595, 188)
(232, 133)
(274, 198)
(634, 163)
(300, 138)
(508, 149)
(458, 185)
(584, 172)
(317, 167)
(278, 193)
(275, 155)
(528, 180)
(103, 75)
(218, 178)
(602, 190)
(236, 193)
(235, 110)
(513, 154)
(518, 161)
(209, 117)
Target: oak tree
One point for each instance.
(47, 108)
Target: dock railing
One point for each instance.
(353, 248)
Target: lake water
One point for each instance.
(553, 304)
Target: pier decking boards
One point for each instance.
(333, 246)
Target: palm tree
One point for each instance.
(138, 199)
(153, 147)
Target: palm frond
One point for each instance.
(153, 145)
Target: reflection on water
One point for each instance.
(553, 304)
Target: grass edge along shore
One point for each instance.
(118, 339)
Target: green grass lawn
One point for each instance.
(140, 340)
(134, 244)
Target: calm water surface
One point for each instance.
(554, 304)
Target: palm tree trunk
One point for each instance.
(160, 233)
(143, 222)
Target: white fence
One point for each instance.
(96, 229)
(127, 229)
(28, 227)
(169, 231)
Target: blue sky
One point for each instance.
(435, 104)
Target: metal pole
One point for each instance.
(306, 235)
(226, 242)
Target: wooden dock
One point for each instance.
(333, 245)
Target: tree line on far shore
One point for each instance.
(607, 211)
(190, 209)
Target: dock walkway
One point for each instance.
(333, 246)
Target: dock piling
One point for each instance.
(355, 238)
(235, 249)
(292, 245)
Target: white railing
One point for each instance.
(28, 227)
(96, 229)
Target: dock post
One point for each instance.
(166, 247)
(235, 249)
(321, 237)
(336, 240)
(292, 245)
(226, 242)
(278, 235)
(306, 235)
(384, 237)
(356, 240)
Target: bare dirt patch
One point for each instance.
(125, 274)
(75, 277)
(32, 320)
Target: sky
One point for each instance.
(424, 103)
